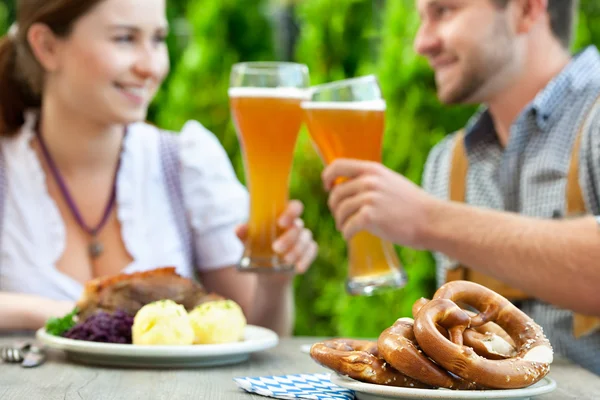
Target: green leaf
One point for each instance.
(58, 326)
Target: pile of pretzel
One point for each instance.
(446, 346)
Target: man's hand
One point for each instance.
(373, 198)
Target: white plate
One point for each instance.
(127, 355)
(369, 391)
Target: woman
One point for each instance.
(85, 194)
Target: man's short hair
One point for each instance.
(563, 14)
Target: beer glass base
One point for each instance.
(367, 286)
(264, 264)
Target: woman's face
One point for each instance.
(112, 64)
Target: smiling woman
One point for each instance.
(91, 190)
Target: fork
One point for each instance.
(15, 353)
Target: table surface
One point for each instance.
(58, 378)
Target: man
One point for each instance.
(521, 164)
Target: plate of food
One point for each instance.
(446, 352)
(154, 319)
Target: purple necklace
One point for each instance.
(95, 248)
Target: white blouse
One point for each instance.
(33, 233)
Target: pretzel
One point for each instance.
(488, 340)
(533, 351)
(417, 305)
(398, 347)
(360, 360)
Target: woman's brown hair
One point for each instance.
(21, 75)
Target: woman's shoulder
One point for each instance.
(15, 149)
(197, 148)
(192, 133)
(22, 135)
(194, 151)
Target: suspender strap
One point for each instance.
(458, 181)
(582, 324)
(171, 166)
(3, 192)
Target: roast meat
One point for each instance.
(130, 292)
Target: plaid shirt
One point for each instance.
(529, 176)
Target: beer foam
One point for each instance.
(281, 92)
(371, 105)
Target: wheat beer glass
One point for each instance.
(346, 119)
(265, 103)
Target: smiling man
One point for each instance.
(504, 198)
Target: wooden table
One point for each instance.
(60, 379)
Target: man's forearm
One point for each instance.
(556, 261)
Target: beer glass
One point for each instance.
(346, 119)
(265, 102)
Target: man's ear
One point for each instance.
(529, 13)
(44, 45)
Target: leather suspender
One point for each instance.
(582, 324)
(458, 185)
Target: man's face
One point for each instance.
(471, 46)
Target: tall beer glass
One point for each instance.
(346, 119)
(265, 102)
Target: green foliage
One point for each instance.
(588, 28)
(335, 37)
(3, 18)
(58, 326)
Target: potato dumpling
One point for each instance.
(162, 322)
(220, 321)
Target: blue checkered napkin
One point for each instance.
(302, 386)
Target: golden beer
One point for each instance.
(355, 130)
(267, 121)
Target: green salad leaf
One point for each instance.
(58, 326)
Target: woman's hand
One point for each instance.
(296, 245)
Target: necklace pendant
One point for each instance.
(95, 249)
